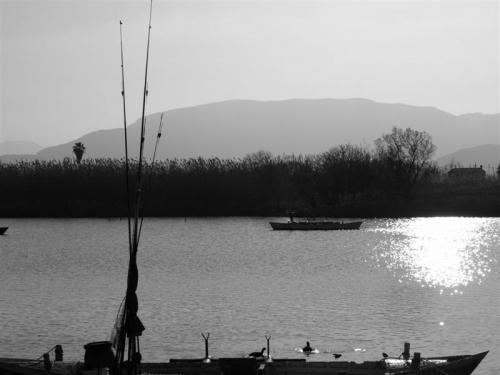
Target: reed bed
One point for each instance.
(336, 183)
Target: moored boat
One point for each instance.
(451, 365)
(316, 225)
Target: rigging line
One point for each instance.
(150, 177)
(127, 181)
(141, 149)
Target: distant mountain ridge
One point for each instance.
(487, 156)
(296, 126)
(19, 147)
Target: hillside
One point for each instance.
(299, 126)
(19, 147)
(486, 155)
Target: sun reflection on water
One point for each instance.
(443, 252)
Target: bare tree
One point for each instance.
(345, 170)
(78, 150)
(405, 154)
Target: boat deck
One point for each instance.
(453, 365)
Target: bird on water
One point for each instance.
(257, 354)
(307, 349)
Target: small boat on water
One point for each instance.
(310, 224)
(3, 230)
(316, 225)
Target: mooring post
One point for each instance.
(268, 359)
(47, 364)
(406, 351)
(415, 362)
(207, 357)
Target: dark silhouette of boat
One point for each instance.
(316, 225)
(450, 365)
(3, 230)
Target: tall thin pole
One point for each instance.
(141, 149)
(158, 136)
(133, 324)
(127, 182)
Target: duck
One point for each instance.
(257, 354)
(307, 348)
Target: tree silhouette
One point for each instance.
(78, 150)
(405, 154)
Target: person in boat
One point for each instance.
(257, 354)
(307, 349)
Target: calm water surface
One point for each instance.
(434, 282)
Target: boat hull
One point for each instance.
(454, 365)
(316, 225)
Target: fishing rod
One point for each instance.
(133, 325)
(119, 332)
(127, 182)
(141, 149)
(150, 179)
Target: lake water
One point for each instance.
(434, 282)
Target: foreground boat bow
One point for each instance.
(452, 365)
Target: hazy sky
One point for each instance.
(60, 60)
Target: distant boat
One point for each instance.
(315, 224)
(3, 230)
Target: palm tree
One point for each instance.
(78, 150)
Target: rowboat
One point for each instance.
(451, 365)
(316, 225)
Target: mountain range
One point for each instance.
(19, 147)
(487, 156)
(297, 126)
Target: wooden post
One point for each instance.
(415, 362)
(46, 362)
(406, 351)
(207, 357)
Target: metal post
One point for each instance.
(415, 362)
(207, 357)
(268, 359)
(406, 352)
